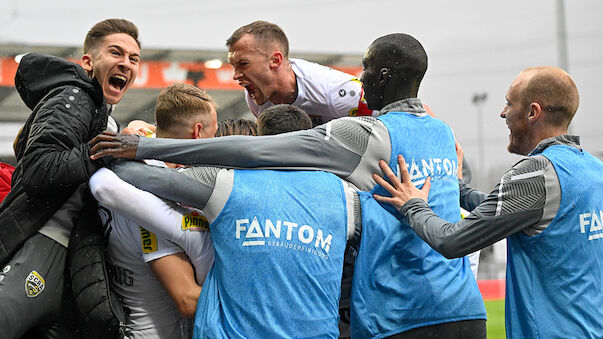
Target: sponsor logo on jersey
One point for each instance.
(149, 241)
(593, 220)
(436, 168)
(34, 284)
(282, 233)
(195, 222)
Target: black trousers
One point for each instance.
(36, 299)
(467, 329)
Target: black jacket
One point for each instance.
(52, 150)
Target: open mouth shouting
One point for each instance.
(254, 93)
(251, 90)
(118, 82)
(114, 87)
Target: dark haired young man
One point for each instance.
(70, 104)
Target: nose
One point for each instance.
(124, 62)
(503, 114)
(237, 75)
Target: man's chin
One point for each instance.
(112, 100)
(517, 149)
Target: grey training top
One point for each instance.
(348, 147)
(526, 200)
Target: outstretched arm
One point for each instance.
(169, 183)
(503, 213)
(340, 146)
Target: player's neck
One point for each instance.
(287, 89)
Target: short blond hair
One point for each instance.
(178, 104)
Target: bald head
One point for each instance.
(399, 52)
(553, 89)
(394, 66)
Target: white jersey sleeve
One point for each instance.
(188, 229)
(163, 247)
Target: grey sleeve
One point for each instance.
(337, 147)
(526, 200)
(470, 198)
(192, 186)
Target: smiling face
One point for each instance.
(114, 63)
(252, 68)
(516, 115)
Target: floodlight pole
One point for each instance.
(478, 100)
(562, 41)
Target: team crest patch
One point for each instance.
(149, 241)
(195, 222)
(34, 284)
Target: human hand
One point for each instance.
(115, 145)
(401, 191)
(141, 128)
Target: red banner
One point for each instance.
(159, 74)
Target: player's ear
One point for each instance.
(276, 59)
(197, 130)
(384, 76)
(87, 64)
(536, 112)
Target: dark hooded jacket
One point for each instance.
(68, 110)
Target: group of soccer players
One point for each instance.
(269, 250)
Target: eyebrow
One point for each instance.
(123, 50)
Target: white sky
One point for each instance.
(474, 46)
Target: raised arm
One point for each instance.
(516, 205)
(176, 185)
(340, 146)
(158, 216)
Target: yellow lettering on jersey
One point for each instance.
(195, 222)
(149, 241)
